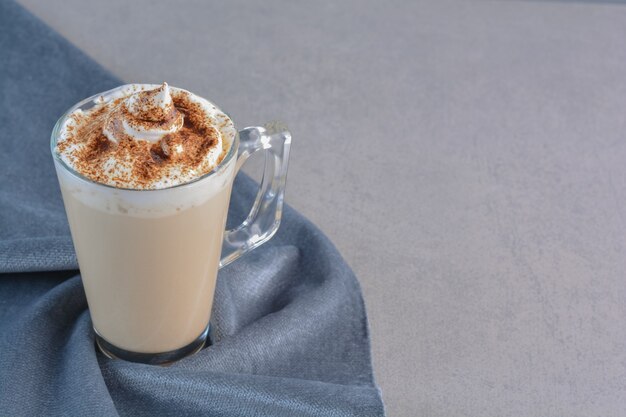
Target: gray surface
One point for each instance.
(467, 158)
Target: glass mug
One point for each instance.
(149, 258)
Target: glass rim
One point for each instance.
(57, 158)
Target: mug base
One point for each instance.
(162, 358)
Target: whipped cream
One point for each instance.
(143, 136)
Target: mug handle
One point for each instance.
(264, 218)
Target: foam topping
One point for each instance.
(142, 137)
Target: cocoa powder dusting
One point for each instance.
(143, 162)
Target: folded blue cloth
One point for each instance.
(289, 330)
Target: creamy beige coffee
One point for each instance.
(148, 259)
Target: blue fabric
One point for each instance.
(289, 330)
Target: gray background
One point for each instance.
(467, 158)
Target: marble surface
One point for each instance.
(466, 157)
